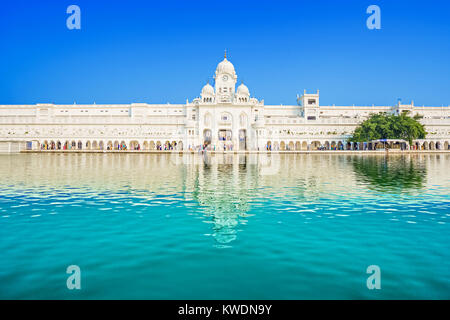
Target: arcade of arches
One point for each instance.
(157, 145)
(343, 145)
(112, 145)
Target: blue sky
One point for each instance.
(165, 51)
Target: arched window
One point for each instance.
(207, 120)
(225, 117)
(243, 120)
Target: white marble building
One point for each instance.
(222, 118)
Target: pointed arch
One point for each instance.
(243, 119)
(207, 120)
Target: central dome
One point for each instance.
(225, 66)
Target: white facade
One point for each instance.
(222, 118)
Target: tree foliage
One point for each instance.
(389, 126)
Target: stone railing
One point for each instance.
(169, 120)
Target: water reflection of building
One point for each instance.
(314, 173)
(223, 188)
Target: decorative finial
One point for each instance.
(225, 56)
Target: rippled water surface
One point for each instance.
(225, 226)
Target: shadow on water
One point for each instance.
(390, 174)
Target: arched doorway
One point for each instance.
(134, 145)
(276, 146)
(315, 145)
(242, 139)
(207, 136)
(304, 145)
(225, 139)
(349, 146)
(291, 146)
(438, 145)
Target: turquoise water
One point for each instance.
(225, 226)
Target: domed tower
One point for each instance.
(207, 94)
(225, 81)
(242, 94)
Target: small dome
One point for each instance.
(225, 67)
(208, 90)
(243, 90)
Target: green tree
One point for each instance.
(389, 126)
